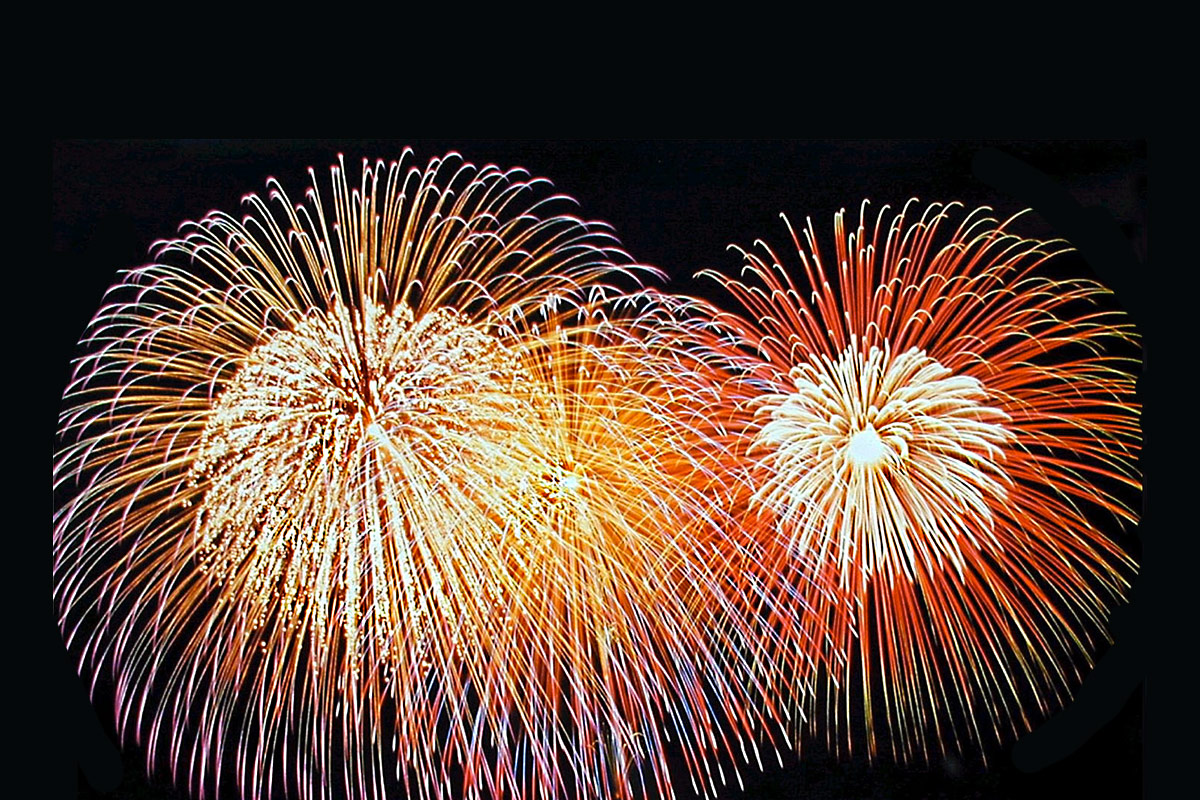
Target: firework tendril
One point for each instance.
(377, 488)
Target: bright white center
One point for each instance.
(570, 482)
(866, 448)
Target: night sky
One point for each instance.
(675, 205)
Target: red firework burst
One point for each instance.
(921, 445)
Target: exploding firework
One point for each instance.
(921, 443)
(372, 489)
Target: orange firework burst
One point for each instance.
(372, 486)
(919, 446)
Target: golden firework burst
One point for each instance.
(358, 491)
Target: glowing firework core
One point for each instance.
(866, 448)
(860, 446)
(347, 439)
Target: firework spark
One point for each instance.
(372, 489)
(920, 448)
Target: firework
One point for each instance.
(921, 444)
(373, 489)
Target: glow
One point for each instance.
(866, 448)
(822, 445)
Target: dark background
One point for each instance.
(675, 205)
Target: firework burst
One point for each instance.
(372, 489)
(921, 447)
